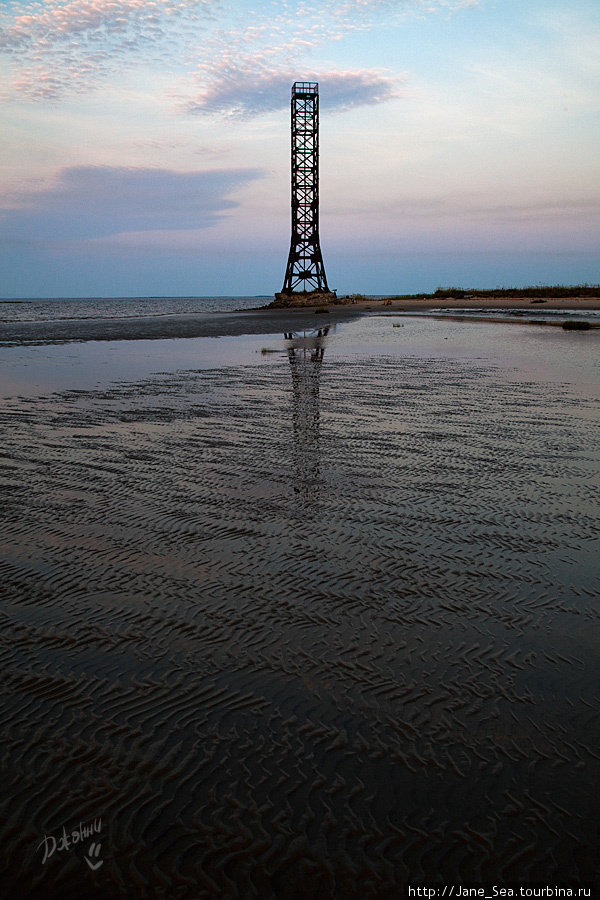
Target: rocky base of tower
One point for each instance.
(305, 298)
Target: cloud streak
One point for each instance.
(248, 72)
(242, 92)
(87, 202)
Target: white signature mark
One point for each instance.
(70, 839)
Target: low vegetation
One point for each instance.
(539, 291)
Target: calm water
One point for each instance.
(320, 622)
(51, 310)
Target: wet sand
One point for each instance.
(261, 321)
(320, 628)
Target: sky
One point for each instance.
(146, 144)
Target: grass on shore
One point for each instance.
(547, 291)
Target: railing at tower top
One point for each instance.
(305, 87)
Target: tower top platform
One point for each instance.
(305, 87)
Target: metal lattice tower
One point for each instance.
(305, 270)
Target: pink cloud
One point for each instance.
(248, 90)
(68, 47)
(57, 20)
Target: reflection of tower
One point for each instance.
(305, 354)
(305, 270)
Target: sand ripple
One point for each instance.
(310, 636)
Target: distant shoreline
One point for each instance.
(544, 292)
(527, 300)
(548, 294)
(482, 301)
(550, 297)
(555, 297)
(517, 307)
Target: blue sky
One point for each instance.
(146, 143)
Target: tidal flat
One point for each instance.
(314, 623)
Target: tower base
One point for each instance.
(304, 298)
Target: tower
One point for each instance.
(305, 272)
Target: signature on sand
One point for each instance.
(70, 839)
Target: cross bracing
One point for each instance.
(305, 270)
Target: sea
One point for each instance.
(300, 610)
(68, 309)
(131, 308)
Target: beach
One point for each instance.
(311, 616)
(485, 302)
(261, 319)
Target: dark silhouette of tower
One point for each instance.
(305, 272)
